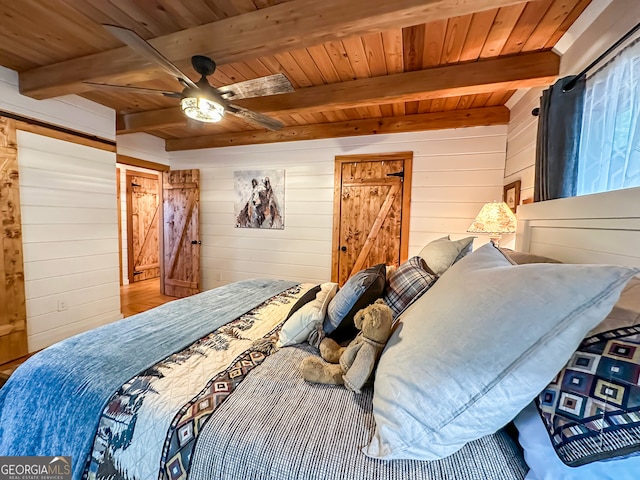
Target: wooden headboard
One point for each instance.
(600, 228)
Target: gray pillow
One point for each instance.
(444, 252)
(477, 347)
(522, 258)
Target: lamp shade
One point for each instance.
(494, 218)
(202, 109)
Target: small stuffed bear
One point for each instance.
(352, 365)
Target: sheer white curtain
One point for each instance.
(609, 155)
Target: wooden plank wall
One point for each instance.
(521, 143)
(601, 228)
(69, 217)
(455, 173)
(142, 146)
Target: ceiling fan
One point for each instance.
(199, 100)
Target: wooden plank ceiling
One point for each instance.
(358, 67)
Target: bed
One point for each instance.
(205, 396)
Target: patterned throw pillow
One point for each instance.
(407, 283)
(592, 408)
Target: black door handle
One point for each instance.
(196, 242)
(343, 248)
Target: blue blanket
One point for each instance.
(51, 405)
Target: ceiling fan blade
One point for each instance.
(254, 117)
(259, 87)
(146, 91)
(140, 45)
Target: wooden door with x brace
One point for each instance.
(143, 225)
(372, 199)
(181, 213)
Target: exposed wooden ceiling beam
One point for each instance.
(150, 120)
(408, 123)
(296, 24)
(507, 73)
(522, 71)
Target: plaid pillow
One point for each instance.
(407, 284)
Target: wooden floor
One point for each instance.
(141, 296)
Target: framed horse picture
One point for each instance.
(259, 199)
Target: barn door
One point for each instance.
(13, 312)
(143, 207)
(181, 198)
(371, 212)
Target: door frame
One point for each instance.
(159, 168)
(119, 205)
(14, 337)
(130, 254)
(340, 160)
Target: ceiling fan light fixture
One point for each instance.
(202, 109)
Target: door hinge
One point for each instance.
(135, 184)
(397, 174)
(137, 273)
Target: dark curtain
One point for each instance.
(559, 125)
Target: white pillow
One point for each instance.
(477, 347)
(544, 464)
(306, 319)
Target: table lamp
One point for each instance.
(495, 218)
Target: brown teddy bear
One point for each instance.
(352, 365)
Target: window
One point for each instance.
(609, 155)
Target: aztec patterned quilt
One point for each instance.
(156, 417)
(132, 409)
